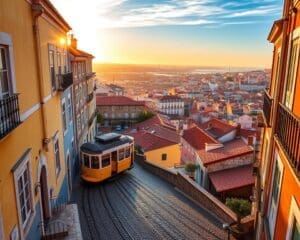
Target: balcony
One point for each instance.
(267, 108)
(65, 81)
(288, 132)
(89, 75)
(9, 115)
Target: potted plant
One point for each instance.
(190, 168)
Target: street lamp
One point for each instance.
(226, 227)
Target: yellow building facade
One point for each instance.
(32, 166)
(166, 157)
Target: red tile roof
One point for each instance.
(216, 127)
(229, 150)
(150, 141)
(155, 120)
(197, 138)
(117, 101)
(170, 97)
(233, 178)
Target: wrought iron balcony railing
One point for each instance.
(65, 81)
(267, 108)
(9, 115)
(288, 132)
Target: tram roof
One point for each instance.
(108, 143)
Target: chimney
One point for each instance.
(250, 140)
(238, 130)
(73, 42)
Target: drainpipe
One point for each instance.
(37, 12)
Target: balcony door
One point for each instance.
(5, 84)
(275, 194)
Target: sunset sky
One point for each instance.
(174, 32)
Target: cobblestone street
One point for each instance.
(139, 205)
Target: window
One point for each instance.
(105, 160)
(95, 162)
(64, 119)
(52, 70)
(127, 152)
(4, 72)
(57, 158)
(121, 154)
(69, 109)
(291, 74)
(86, 160)
(275, 193)
(23, 190)
(293, 231)
(164, 157)
(24, 196)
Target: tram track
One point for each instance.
(138, 205)
(196, 223)
(173, 218)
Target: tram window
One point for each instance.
(114, 156)
(121, 154)
(105, 160)
(86, 160)
(95, 162)
(127, 152)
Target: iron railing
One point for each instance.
(267, 108)
(9, 114)
(288, 133)
(65, 81)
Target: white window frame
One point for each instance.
(64, 115)
(274, 210)
(6, 40)
(69, 109)
(57, 166)
(294, 215)
(18, 172)
(295, 37)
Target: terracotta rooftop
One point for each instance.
(233, 178)
(149, 141)
(229, 150)
(197, 138)
(155, 120)
(170, 97)
(216, 128)
(117, 101)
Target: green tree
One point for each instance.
(240, 206)
(190, 167)
(144, 116)
(100, 118)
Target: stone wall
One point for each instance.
(191, 189)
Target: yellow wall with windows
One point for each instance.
(29, 134)
(19, 27)
(173, 156)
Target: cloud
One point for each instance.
(136, 13)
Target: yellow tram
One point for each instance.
(111, 154)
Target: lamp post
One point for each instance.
(226, 227)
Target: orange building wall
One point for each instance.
(290, 187)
